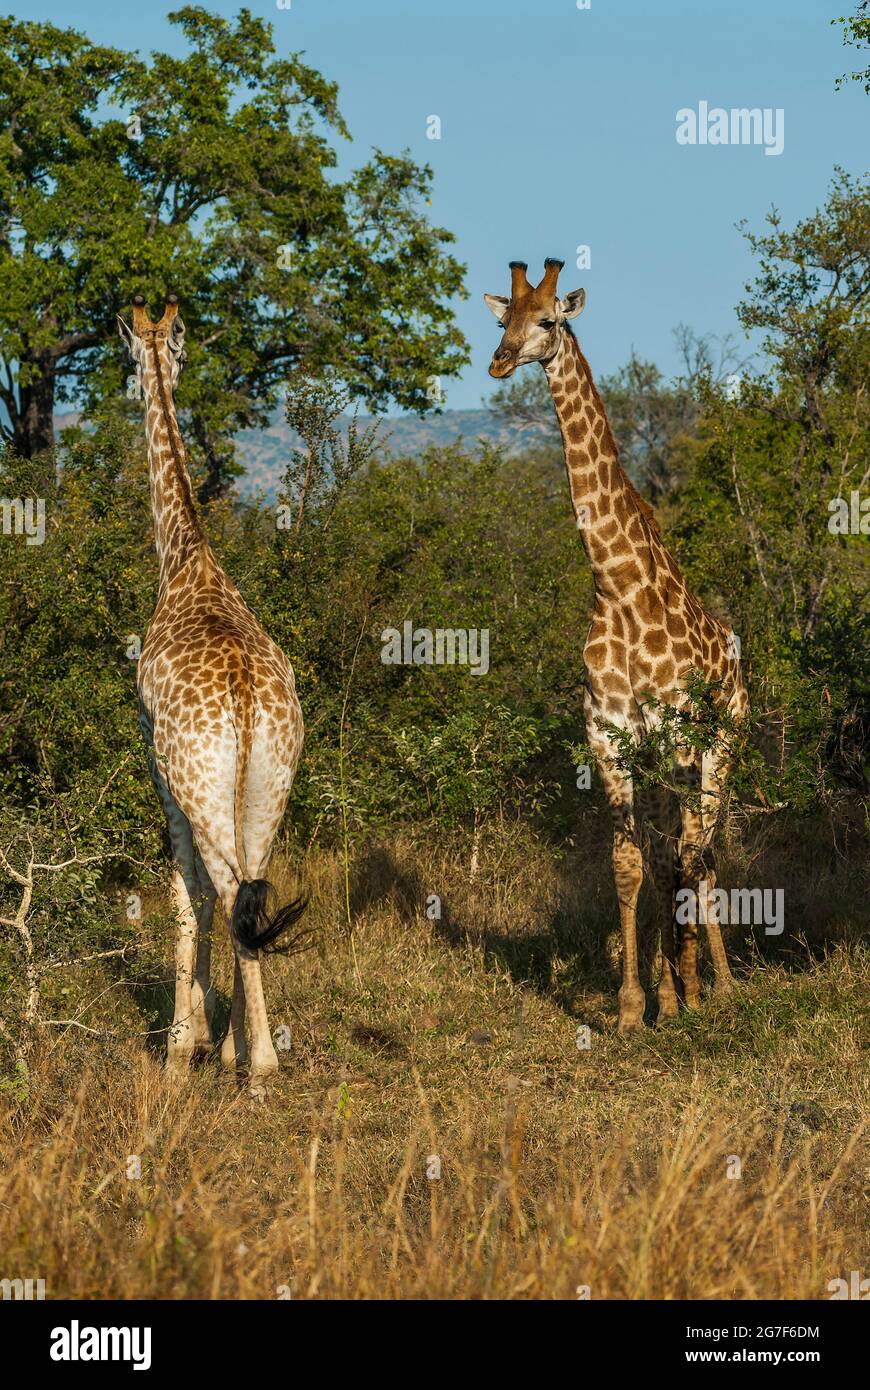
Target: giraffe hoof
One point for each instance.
(264, 1064)
(177, 1067)
(258, 1084)
(629, 1023)
(669, 1008)
(179, 1049)
(632, 1003)
(203, 1044)
(231, 1060)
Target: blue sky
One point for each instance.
(558, 130)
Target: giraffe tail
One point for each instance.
(254, 927)
(243, 718)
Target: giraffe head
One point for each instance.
(532, 318)
(166, 336)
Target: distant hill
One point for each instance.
(263, 453)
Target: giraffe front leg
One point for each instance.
(628, 875)
(664, 873)
(627, 858)
(714, 768)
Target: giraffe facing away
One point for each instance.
(648, 634)
(223, 729)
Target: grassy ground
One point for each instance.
(721, 1157)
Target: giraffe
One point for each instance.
(223, 732)
(648, 634)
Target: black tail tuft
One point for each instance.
(252, 926)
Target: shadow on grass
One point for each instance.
(561, 938)
(563, 953)
(377, 879)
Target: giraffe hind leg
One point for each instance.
(690, 858)
(628, 876)
(181, 1039)
(248, 996)
(234, 1049)
(192, 909)
(201, 991)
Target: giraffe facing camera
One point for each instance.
(649, 636)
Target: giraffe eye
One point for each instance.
(547, 323)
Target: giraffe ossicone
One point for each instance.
(649, 635)
(223, 728)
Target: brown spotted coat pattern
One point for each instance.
(648, 635)
(221, 719)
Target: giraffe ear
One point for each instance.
(496, 303)
(176, 341)
(125, 333)
(572, 304)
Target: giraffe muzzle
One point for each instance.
(504, 363)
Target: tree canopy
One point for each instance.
(212, 175)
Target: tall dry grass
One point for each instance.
(612, 1167)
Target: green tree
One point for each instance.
(653, 419)
(856, 32)
(811, 302)
(469, 766)
(73, 614)
(526, 402)
(212, 175)
(760, 527)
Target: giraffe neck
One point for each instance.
(614, 521)
(178, 530)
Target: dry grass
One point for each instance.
(561, 1167)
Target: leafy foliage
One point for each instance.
(211, 175)
(856, 31)
(654, 420)
(362, 541)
